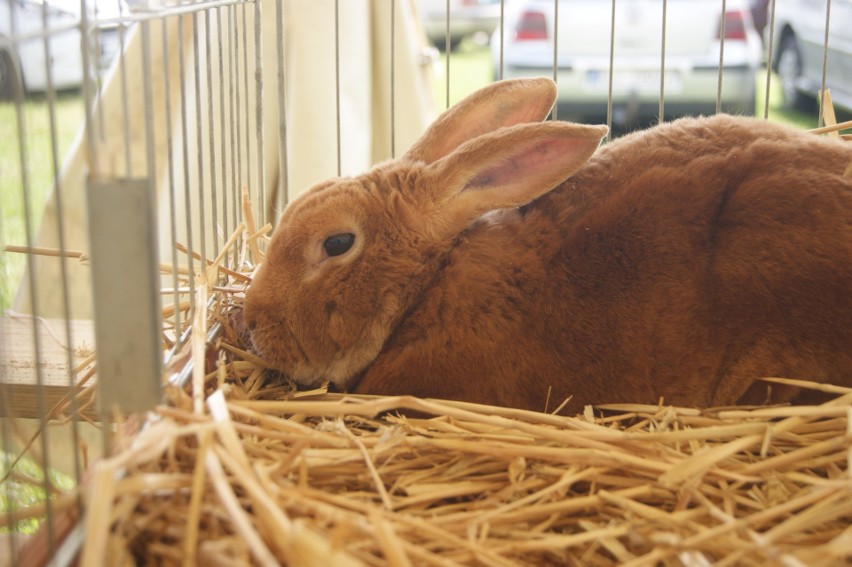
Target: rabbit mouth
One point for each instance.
(272, 347)
(309, 361)
(283, 352)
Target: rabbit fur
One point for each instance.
(508, 261)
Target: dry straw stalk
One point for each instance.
(348, 480)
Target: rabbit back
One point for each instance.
(721, 249)
(681, 263)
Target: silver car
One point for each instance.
(689, 82)
(798, 51)
(22, 47)
(466, 18)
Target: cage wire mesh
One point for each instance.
(173, 135)
(139, 199)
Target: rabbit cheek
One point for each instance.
(347, 344)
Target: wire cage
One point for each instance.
(149, 147)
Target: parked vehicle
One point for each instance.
(760, 14)
(798, 51)
(466, 18)
(23, 62)
(694, 33)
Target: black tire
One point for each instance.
(789, 68)
(10, 80)
(441, 44)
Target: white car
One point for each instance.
(467, 17)
(693, 38)
(798, 51)
(22, 51)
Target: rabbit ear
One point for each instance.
(505, 169)
(504, 103)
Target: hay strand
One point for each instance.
(344, 477)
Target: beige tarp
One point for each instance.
(311, 121)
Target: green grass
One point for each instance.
(470, 69)
(39, 168)
(776, 111)
(25, 488)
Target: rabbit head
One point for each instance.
(351, 256)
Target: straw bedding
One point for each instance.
(330, 479)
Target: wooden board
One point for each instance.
(20, 366)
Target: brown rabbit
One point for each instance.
(499, 261)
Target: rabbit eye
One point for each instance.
(338, 244)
